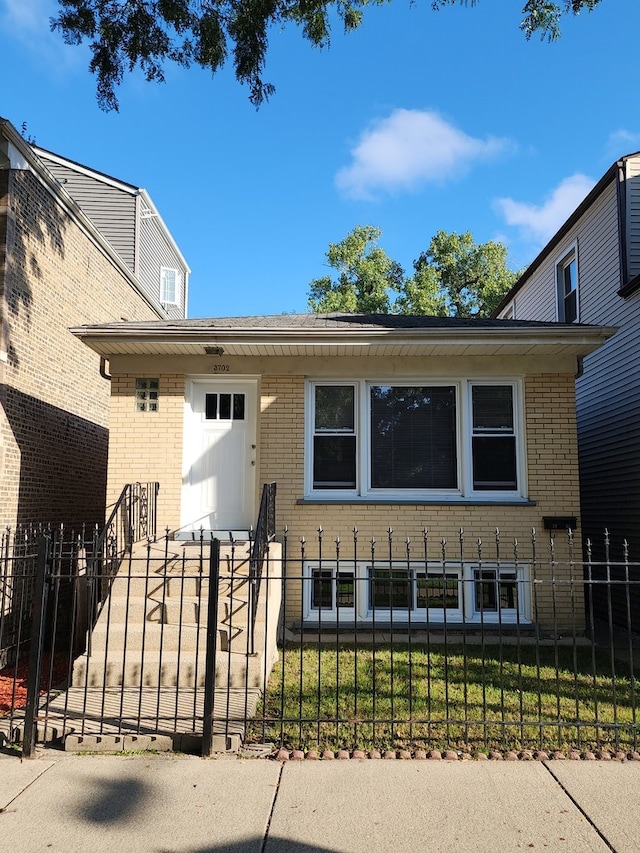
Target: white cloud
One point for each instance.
(28, 23)
(27, 17)
(410, 148)
(540, 222)
(622, 142)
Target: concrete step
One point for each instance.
(154, 635)
(175, 610)
(134, 609)
(166, 670)
(139, 585)
(189, 583)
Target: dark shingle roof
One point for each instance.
(337, 322)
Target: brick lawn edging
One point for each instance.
(453, 755)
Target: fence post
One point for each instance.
(39, 615)
(212, 643)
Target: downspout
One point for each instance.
(622, 221)
(103, 369)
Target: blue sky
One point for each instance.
(419, 121)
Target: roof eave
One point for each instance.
(582, 338)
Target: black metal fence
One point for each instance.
(353, 642)
(94, 555)
(407, 642)
(166, 648)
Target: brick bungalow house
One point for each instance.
(76, 247)
(362, 421)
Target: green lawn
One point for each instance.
(509, 697)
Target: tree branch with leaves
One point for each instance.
(454, 277)
(148, 34)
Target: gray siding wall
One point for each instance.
(112, 210)
(155, 252)
(608, 392)
(596, 238)
(633, 215)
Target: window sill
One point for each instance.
(354, 501)
(416, 626)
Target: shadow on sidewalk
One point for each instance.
(116, 801)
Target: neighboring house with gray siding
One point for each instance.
(589, 272)
(128, 218)
(66, 258)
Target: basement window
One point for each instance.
(147, 391)
(417, 593)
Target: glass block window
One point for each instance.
(147, 391)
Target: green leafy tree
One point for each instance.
(454, 277)
(458, 277)
(367, 276)
(125, 34)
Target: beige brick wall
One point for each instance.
(148, 446)
(55, 404)
(552, 477)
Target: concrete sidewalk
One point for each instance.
(67, 803)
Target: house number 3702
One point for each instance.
(220, 368)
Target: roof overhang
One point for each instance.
(183, 340)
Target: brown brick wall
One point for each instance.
(54, 419)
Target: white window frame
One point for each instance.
(464, 435)
(501, 616)
(518, 433)
(334, 613)
(177, 282)
(569, 257)
(466, 613)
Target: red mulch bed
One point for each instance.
(14, 700)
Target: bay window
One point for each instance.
(424, 440)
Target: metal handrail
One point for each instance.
(132, 519)
(264, 534)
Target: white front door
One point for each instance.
(219, 469)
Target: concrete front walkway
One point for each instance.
(180, 804)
